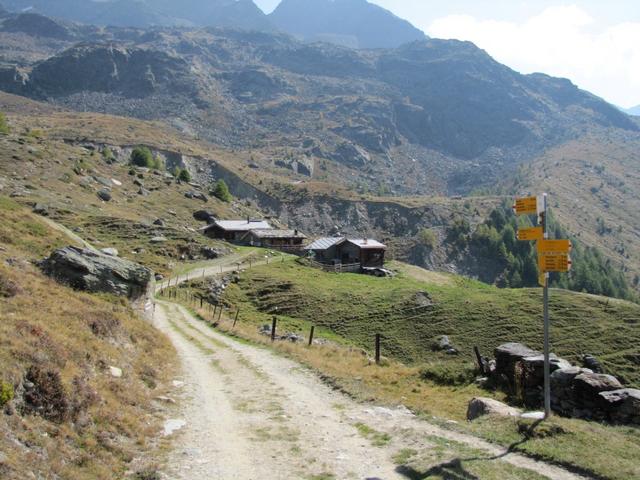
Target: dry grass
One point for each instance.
(77, 421)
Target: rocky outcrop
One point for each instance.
(131, 72)
(95, 271)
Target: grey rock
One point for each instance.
(592, 363)
(623, 405)
(196, 196)
(104, 195)
(508, 354)
(112, 252)
(488, 406)
(41, 209)
(143, 192)
(594, 383)
(160, 222)
(211, 253)
(203, 215)
(158, 239)
(105, 182)
(94, 271)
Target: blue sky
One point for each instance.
(595, 43)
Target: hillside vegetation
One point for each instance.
(64, 414)
(411, 314)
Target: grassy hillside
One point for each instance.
(76, 421)
(411, 311)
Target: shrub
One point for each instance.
(184, 175)
(450, 373)
(4, 126)
(221, 191)
(427, 238)
(45, 395)
(142, 157)
(8, 288)
(108, 155)
(6, 393)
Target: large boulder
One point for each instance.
(95, 271)
(508, 355)
(204, 216)
(623, 406)
(591, 384)
(488, 406)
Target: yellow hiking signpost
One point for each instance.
(526, 206)
(553, 256)
(533, 233)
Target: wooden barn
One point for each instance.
(274, 238)
(234, 230)
(364, 252)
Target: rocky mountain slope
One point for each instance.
(352, 23)
(428, 117)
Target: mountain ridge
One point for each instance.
(353, 23)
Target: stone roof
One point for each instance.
(241, 225)
(273, 233)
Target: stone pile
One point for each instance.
(575, 392)
(217, 286)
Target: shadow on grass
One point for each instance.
(453, 470)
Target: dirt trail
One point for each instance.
(252, 414)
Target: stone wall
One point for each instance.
(575, 391)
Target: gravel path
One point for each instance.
(251, 414)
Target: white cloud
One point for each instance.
(563, 41)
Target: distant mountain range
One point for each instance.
(353, 23)
(633, 111)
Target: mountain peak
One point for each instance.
(353, 23)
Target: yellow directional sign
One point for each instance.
(554, 263)
(526, 206)
(553, 246)
(533, 233)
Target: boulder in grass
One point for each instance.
(623, 406)
(94, 271)
(104, 195)
(488, 406)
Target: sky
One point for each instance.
(594, 43)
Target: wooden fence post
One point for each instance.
(480, 360)
(201, 299)
(378, 348)
(273, 328)
(220, 313)
(235, 320)
(311, 334)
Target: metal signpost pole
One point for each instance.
(545, 295)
